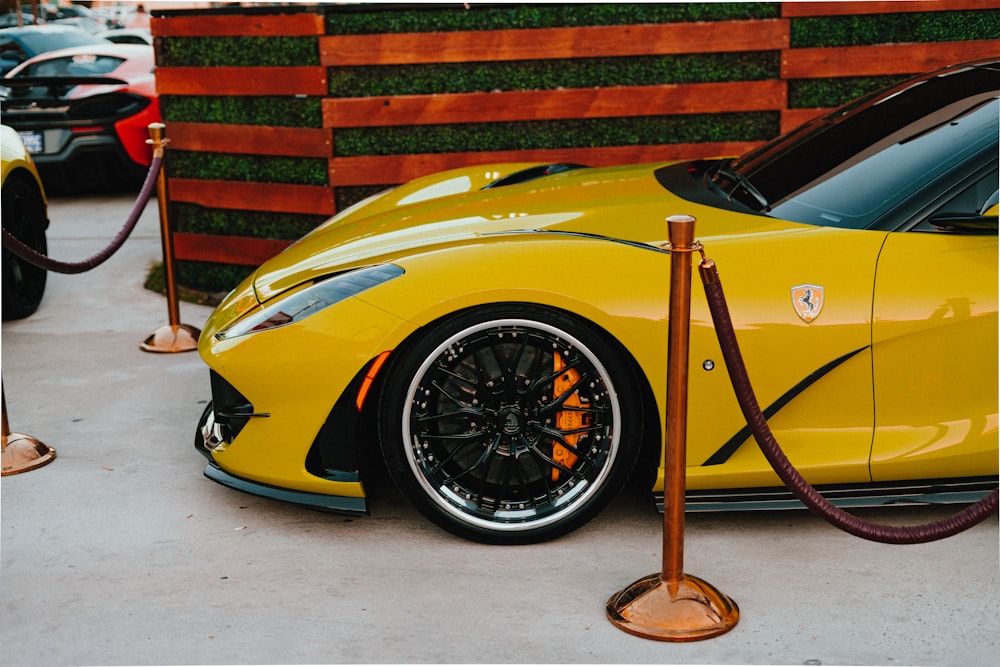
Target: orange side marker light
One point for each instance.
(366, 384)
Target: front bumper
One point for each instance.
(212, 435)
(284, 413)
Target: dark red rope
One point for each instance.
(810, 497)
(29, 255)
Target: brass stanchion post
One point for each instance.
(21, 453)
(671, 605)
(173, 337)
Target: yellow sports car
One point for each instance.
(499, 333)
(25, 217)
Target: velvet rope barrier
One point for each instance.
(29, 255)
(802, 490)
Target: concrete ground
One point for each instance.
(120, 552)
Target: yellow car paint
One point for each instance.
(935, 379)
(14, 156)
(828, 434)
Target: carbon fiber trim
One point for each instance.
(912, 493)
(342, 504)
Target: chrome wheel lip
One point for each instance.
(514, 519)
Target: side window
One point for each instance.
(11, 51)
(964, 211)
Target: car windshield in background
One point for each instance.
(51, 40)
(854, 167)
(76, 65)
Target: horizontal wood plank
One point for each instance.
(546, 43)
(554, 104)
(241, 81)
(234, 25)
(792, 118)
(805, 9)
(241, 250)
(251, 139)
(392, 169)
(275, 197)
(886, 59)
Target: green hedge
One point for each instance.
(269, 111)
(194, 219)
(822, 93)
(429, 18)
(238, 51)
(571, 133)
(249, 168)
(373, 81)
(858, 30)
(210, 277)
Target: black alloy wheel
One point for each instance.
(24, 215)
(510, 424)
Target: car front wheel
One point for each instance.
(510, 424)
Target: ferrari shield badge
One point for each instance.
(808, 301)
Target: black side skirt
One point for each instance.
(964, 491)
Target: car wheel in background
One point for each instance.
(510, 424)
(24, 216)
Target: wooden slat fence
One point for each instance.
(340, 113)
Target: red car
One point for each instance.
(83, 113)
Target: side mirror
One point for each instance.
(966, 223)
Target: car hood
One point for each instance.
(619, 203)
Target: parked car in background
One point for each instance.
(11, 20)
(499, 333)
(114, 16)
(76, 15)
(84, 113)
(19, 44)
(25, 215)
(127, 36)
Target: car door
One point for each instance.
(934, 342)
(810, 367)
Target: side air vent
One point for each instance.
(532, 173)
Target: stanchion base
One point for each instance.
(22, 453)
(172, 338)
(682, 611)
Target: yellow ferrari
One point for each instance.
(499, 333)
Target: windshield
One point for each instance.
(854, 166)
(860, 194)
(78, 65)
(50, 40)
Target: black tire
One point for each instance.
(24, 215)
(476, 410)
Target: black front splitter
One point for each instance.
(341, 504)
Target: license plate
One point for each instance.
(32, 141)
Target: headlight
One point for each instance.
(312, 299)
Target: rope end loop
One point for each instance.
(709, 272)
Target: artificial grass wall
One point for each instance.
(519, 75)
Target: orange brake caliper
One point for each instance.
(566, 420)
